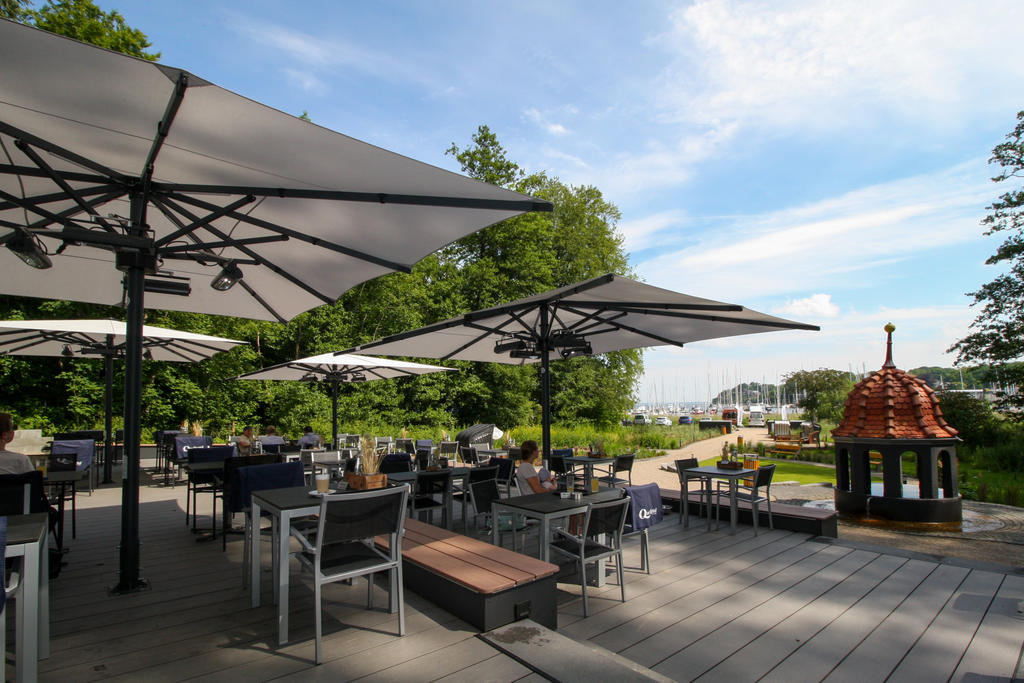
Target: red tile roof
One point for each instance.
(892, 404)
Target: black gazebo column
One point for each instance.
(860, 470)
(892, 472)
(950, 476)
(134, 265)
(843, 468)
(927, 473)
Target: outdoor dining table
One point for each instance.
(61, 479)
(707, 473)
(545, 507)
(26, 538)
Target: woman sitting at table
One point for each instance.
(530, 480)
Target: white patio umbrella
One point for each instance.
(107, 339)
(126, 181)
(607, 313)
(346, 367)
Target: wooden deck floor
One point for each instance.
(779, 606)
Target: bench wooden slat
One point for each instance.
(472, 559)
(523, 563)
(475, 578)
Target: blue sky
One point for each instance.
(824, 161)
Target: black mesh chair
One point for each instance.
(422, 459)
(762, 482)
(506, 475)
(396, 462)
(432, 491)
(477, 474)
(558, 466)
(274, 448)
(684, 498)
(448, 449)
(205, 481)
(344, 547)
(405, 446)
(622, 463)
(469, 456)
(601, 520)
(63, 458)
(21, 494)
(484, 493)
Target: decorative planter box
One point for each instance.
(364, 482)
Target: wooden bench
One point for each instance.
(482, 584)
(788, 517)
(786, 448)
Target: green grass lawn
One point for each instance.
(805, 473)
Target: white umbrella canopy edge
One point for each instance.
(342, 368)
(605, 313)
(82, 337)
(126, 177)
(105, 339)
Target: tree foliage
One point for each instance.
(83, 20)
(971, 417)
(997, 335)
(822, 392)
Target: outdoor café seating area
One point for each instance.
(683, 601)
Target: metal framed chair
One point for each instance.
(424, 497)
(506, 475)
(762, 480)
(205, 482)
(684, 497)
(622, 463)
(231, 503)
(644, 512)
(484, 493)
(396, 462)
(405, 446)
(344, 548)
(477, 474)
(601, 519)
(261, 478)
(448, 449)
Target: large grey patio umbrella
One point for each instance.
(338, 368)
(126, 181)
(107, 339)
(607, 313)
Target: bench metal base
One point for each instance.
(536, 600)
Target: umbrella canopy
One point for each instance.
(607, 313)
(122, 180)
(338, 368)
(100, 337)
(107, 339)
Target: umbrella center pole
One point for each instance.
(135, 273)
(108, 403)
(544, 347)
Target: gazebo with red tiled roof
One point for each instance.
(892, 413)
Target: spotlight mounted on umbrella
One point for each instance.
(147, 355)
(227, 277)
(357, 377)
(28, 249)
(570, 344)
(164, 283)
(309, 377)
(516, 347)
(66, 351)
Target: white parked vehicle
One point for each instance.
(663, 421)
(642, 419)
(756, 416)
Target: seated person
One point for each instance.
(309, 438)
(243, 442)
(10, 462)
(271, 438)
(529, 479)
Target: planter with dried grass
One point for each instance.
(371, 478)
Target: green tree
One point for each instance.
(15, 10)
(822, 392)
(971, 417)
(997, 336)
(83, 20)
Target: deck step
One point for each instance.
(559, 658)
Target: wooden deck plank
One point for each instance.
(689, 646)
(678, 574)
(441, 663)
(704, 654)
(676, 602)
(995, 650)
(766, 651)
(816, 657)
(500, 667)
(880, 652)
(718, 603)
(939, 650)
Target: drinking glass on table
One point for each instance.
(323, 482)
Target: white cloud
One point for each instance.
(859, 231)
(305, 80)
(641, 233)
(814, 306)
(831, 64)
(535, 117)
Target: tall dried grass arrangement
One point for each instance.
(371, 458)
